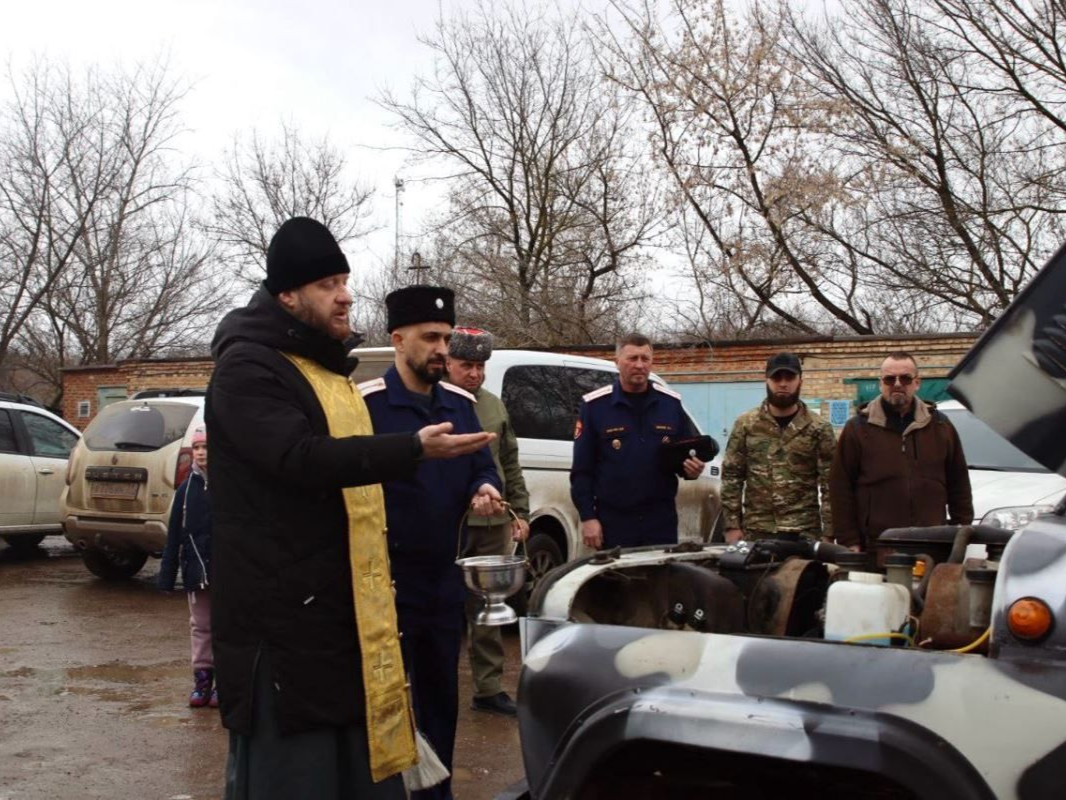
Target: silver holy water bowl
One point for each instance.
(494, 579)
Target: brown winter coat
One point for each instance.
(881, 479)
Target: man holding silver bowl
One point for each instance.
(426, 512)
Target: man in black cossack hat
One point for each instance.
(304, 620)
(426, 512)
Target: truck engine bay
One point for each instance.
(783, 588)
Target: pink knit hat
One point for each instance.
(199, 436)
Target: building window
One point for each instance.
(106, 395)
(83, 409)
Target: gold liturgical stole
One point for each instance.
(390, 726)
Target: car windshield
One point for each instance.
(986, 449)
(139, 427)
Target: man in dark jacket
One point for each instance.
(305, 639)
(623, 492)
(898, 463)
(426, 511)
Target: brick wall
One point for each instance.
(82, 383)
(827, 362)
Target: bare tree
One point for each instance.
(957, 186)
(740, 136)
(265, 182)
(548, 207)
(1021, 42)
(53, 169)
(132, 279)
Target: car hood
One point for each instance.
(992, 489)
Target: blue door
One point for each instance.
(715, 406)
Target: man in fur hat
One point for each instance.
(468, 351)
(426, 512)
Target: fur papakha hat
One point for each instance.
(470, 344)
(414, 304)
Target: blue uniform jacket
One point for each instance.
(617, 465)
(424, 511)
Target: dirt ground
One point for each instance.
(94, 680)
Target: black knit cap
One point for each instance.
(414, 304)
(302, 251)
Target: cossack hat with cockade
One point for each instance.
(470, 344)
(414, 304)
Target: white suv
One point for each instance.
(122, 478)
(542, 392)
(34, 447)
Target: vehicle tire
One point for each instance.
(111, 565)
(24, 544)
(543, 555)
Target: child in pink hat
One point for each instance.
(189, 546)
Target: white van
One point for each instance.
(542, 392)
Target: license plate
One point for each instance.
(123, 490)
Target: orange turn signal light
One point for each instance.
(1029, 619)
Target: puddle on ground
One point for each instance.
(21, 672)
(115, 672)
(462, 774)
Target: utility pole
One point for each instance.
(398, 183)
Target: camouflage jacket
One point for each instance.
(771, 477)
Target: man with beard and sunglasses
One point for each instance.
(425, 512)
(775, 473)
(898, 463)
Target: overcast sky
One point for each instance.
(253, 64)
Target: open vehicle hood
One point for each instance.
(1014, 378)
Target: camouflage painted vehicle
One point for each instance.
(704, 671)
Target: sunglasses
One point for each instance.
(903, 380)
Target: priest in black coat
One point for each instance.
(291, 671)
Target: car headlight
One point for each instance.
(1014, 518)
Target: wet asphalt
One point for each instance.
(94, 682)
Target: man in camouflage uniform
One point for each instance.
(776, 462)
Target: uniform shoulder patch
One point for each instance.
(603, 391)
(369, 387)
(660, 388)
(451, 387)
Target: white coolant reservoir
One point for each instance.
(864, 606)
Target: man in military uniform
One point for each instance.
(624, 494)
(425, 512)
(468, 351)
(777, 462)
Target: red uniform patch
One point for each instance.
(577, 429)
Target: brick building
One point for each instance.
(718, 380)
(88, 389)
